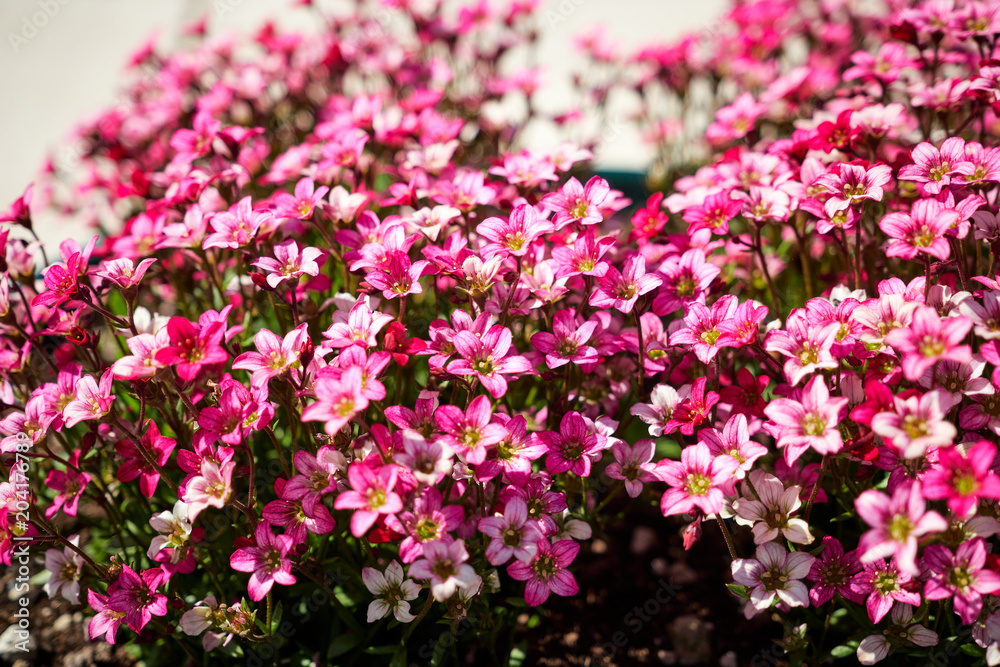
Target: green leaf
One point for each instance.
(516, 602)
(517, 655)
(973, 650)
(343, 644)
(842, 651)
(739, 590)
(381, 650)
(399, 658)
(276, 615)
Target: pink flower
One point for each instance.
(584, 257)
(64, 567)
(486, 358)
(921, 231)
(566, 342)
(734, 441)
(274, 356)
(398, 276)
(930, 339)
(267, 560)
(513, 455)
(960, 576)
(883, 584)
(195, 143)
(773, 573)
(633, 465)
(853, 184)
(371, 494)
(963, 478)
(685, 280)
(317, 476)
(693, 409)
(192, 347)
(136, 597)
(360, 328)
(124, 274)
(770, 510)
(239, 411)
(429, 521)
(916, 423)
(338, 399)
(697, 480)
(93, 400)
(236, 227)
(512, 534)
(444, 565)
(19, 212)
(935, 167)
(547, 573)
(211, 487)
(808, 347)
(809, 421)
(622, 290)
(289, 263)
(142, 362)
(428, 461)
(301, 205)
(576, 203)
(896, 524)
(469, 433)
(702, 327)
(714, 213)
(736, 120)
(514, 235)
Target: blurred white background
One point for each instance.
(72, 66)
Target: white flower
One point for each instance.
(65, 568)
(391, 593)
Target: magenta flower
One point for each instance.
(297, 521)
(192, 346)
(960, 576)
(444, 564)
(883, 584)
(567, 341)
(622, 290)
(197, 142)
(338, 400)
(515, 235)
(371, 494)
(809, 421)
(921, 231)
(267, 560)
(697, 480)
(714, 213)
(633, 465)
(106, 622)
(469, 433)
(547, 573)
(930, 339)
(576, 203)
(19, 212)
(239, 412)
(833, 571)
(512, 534)
(289, 263)
(158, 448)
(896, 523)
(135, 596)
(70, 485)
(773, 573)
(935, 167)
(513, 455)
(584, 257)
(572, 447)
(317, 476)
(486, 358)
(963, 478)
(61, 282)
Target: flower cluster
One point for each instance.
(344, 339)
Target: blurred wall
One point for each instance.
(56, 74)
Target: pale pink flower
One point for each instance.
(809, 421)
(267, 560)
(896, 523)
